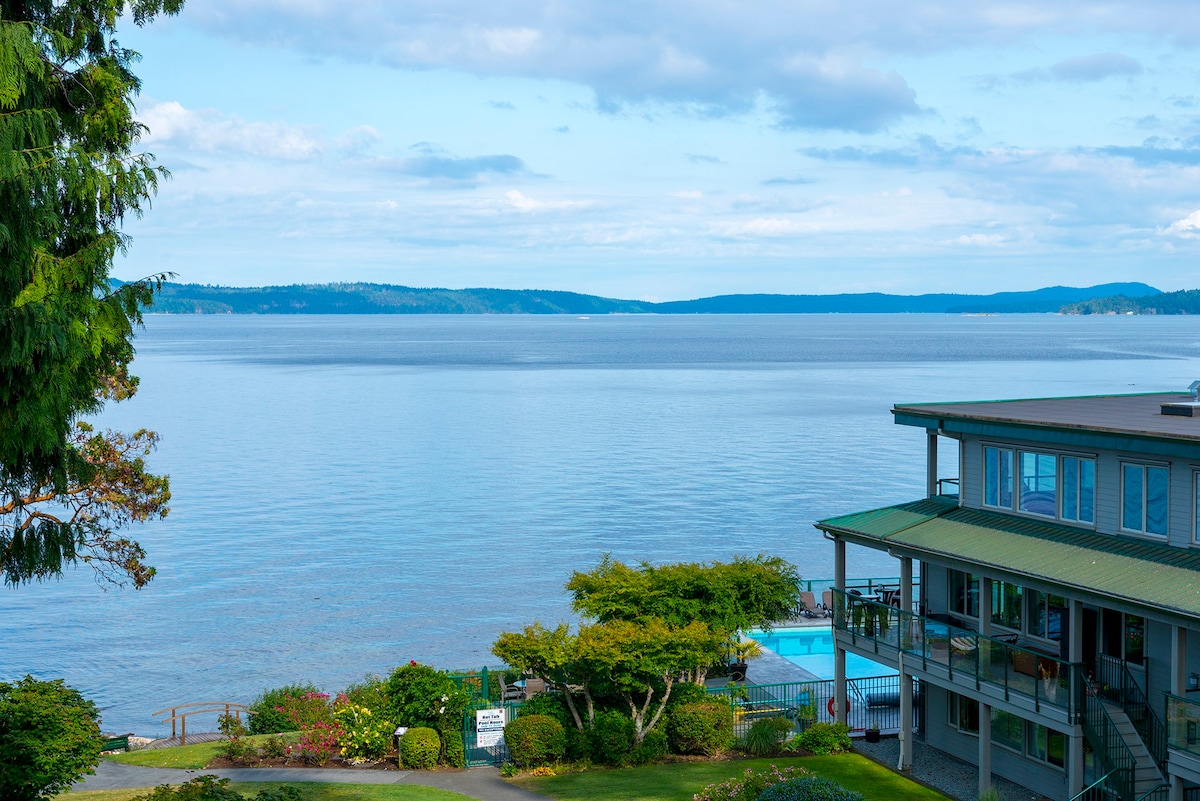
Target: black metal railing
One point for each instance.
(1114, 682)
(1101, 733)
(1043, 679)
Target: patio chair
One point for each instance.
(810, 605)
(827, 602)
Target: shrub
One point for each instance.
(654, 746)
(49, 738)
(809, 788)
(453, 752)
(419, 748)
(823, 738)
(364, 737)
(371, 692)
(535, 740)
(274, 747)
(686, 693)
(306, 710)
(750, 785)
(579, 745)
(419, 695)
(701, 728)
(611, 738)
(265, 717)
(765, 735)
(548, 703)
(210, 788)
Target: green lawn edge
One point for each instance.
(190, 757)
(313, 791)
(680, 781)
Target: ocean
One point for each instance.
(352, 492)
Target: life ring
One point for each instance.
(832, 713)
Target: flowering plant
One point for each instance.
(750, 785)
(364, 736)
(319, 740)
(319, 732)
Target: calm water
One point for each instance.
(354, 492)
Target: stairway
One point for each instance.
(1146, 775)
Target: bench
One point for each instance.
(117, 743)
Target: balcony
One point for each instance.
(993, 666)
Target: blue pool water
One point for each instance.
(812, 649)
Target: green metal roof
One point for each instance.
(1144, 574)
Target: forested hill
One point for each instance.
(389, 299)
(1186, 301)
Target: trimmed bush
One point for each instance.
(548, 703)
(419, 695)
(765, 736)
(612, 738)
(419, 748)
(654, 746)
(823, 738)
(750, 785)
(704, 728)
(809, 788)
(453, 752)
(535, 740)
(265, 717)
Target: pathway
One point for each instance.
(482, 783)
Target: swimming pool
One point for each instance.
(812, 649)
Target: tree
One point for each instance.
(552, 655)
(727, 596)
(49, 736)
(68, 177)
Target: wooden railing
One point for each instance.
(208, 707)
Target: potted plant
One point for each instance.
(872, 734)
(742, 651)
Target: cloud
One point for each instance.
(1084, 69)
(211, 131)
(462, 169)
(787, 181)
(522, 202)
(1187, 228)
(502, 105)
(700, 158)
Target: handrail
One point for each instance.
(1090, 792)
(867, 583)
(1119, 685)
(1159, 792)
(224, 707)
(1044, 679)
(1102, 734)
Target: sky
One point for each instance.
(665, 150)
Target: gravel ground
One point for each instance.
(952, 776)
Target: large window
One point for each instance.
(997, 477)
(964, 713)
(1047, 745)
(1049, 612)
(1006, 729)
(1039, 483)
(964, 593)
(1144, 498)
(1078, 489)
(1006, 605)
(1045, 484)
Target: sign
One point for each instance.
(489, 727)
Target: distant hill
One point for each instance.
(361, 298)
(1185, 301)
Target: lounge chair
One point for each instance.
(810, 605)
(827, 602)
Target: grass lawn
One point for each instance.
(680, 781)
(312, 792)
(192, 757)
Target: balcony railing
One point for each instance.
(1043, 679)
(1183, 724)
(948, 487)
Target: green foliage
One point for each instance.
(363, 736)
(509, 770)
(420, 748)
(823, 738)
(265, 715)
(210, 788)
(419, 695)
(69, 175)
(705, 727)
(579, 745)
(454, 753)
(809, 788)
(371, 692)
(611, 738)
(235, 748)
(750, 785)
(765, 735)
(990, 794)
(547, 703)
(49, 738)
(274, 747)
(686, 693)
(535, 740)
(653, 747)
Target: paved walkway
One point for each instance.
(482, 783)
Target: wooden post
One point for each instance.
(183, 729)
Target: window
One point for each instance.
(1039, 483)
(1047, 745)
(1144, 498)
(1006, 605)
(964, 713)
(1123, 636)
(1006, 729)
(964, 593)
(1049, 612)
(997, 477)
(1078, 489)
(1196, 506)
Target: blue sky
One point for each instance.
(670, 150)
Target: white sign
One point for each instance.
(489, 727)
